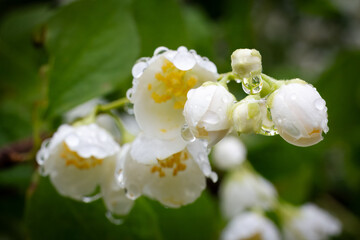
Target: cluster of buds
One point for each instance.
(182, 108)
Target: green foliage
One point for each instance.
(51, 216)
(92, 46)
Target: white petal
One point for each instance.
(147, 149)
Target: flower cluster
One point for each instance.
(246, 197)
(183, 107)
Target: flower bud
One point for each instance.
(206, 111)
(246, 62)
(246, 115)
(299, 114)
(229, 153)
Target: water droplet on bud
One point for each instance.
(186, 134)
(319, 104)
(117, 220)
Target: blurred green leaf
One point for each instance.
(199, 220)
(92, 46)
(51, 216)
(160, 23)
(19, 65)
(200, 31)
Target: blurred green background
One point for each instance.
(55, 55)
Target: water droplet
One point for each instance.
(205, 59)
(319, 104)
(184, 61)
(88, 199)
(224, 99)
(246, 90)
(192, 51)
(132, 191)
(238, 80)
(182, 49)
(129, 108)
(268, 131)
(211, 118)
(138, 69)
(186, 134)
(42, 171)
(72, 141)
(117, 220)
(160, 50)
(129, 93)
(119, 176)
(214, 177)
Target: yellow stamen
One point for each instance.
(163, 130)
(174, 162)
(175, 85)
(73, 158)
(315, 131)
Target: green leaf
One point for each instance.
(160, 23)
(199, 220)
(51, 216)
(92, 45)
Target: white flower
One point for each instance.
(113, 194)
(244, 189)
(74, 159)
(299, 113)
(206, 111)
(175, 181)
(246, 115)
(248, 226)
(160, 88)
(230, 152)
(246, 62)
(311, 223)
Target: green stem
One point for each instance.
(126, 136)
(225, 78)
(269, 85)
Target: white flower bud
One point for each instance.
(299, 113)
(229, 153)
(246, 115)
(250, 225)
(206, 111)
(246, 62)
(311, 223)
(244, 189)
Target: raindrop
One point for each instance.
(238, 80)
(129, 93)
(129, 108)
(139, 68)
(224, 99)
(319, 104)
(268, 131)
(184, 60)
(246, 90)
(72, 141)
(211, 118)
(88, 199)
(132, 192)
(119, 176)
(114, 219)
(186, 134)
(182, 49)
(160, 50)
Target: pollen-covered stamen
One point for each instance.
(72, 158)
(174, 162)
(175, 85)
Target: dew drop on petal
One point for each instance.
(119, 176)
(72, 141)
(186, 134)
(88, 199)
(129, 108)
(184, 61)
(238, 80)
(182, 49)
(319, 104)
(113, 218)
(132, 191)
(138, 69)
(224, 99)
(246, 90)
(129, 93)
(160, 50)
(211, 118)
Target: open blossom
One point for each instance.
(206, 111)
(174, 181)
(74, 158)
(311, 223)
(250, 225)
(113, 194)
(160, 88)
(230, 152)
(299, 113)
(244, 190)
